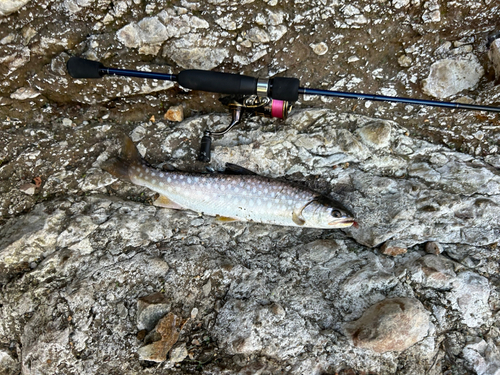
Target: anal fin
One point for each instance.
(163, 201)
(226, 219)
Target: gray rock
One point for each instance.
(470, 295)
(390, 325)
(8, 365)
(449, 77)
(484, 357)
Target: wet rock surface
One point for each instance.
(95, 279)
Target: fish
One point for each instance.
(241, 197)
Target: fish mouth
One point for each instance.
(343, 223)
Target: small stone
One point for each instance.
(169, 329)
(24, 93)
(175, 113)
(67, 122)
(29, 189)
(179, 353)
(194, 313)
(258, 35)
(319, 49)
(390, 325)
(433, 248)
(404, 61)
(393, 248)
(150, 309)
(398, 4)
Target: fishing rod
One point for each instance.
(258, 96)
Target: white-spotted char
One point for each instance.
(233, 197)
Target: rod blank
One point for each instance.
(280, 88)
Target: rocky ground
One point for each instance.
(95, 279)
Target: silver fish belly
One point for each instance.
(233, 197)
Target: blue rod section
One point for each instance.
(138, 74)
(382, 98)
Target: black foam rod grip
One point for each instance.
(82, 68)
(284, 88)
(222, 83)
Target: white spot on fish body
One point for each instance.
(169, 179)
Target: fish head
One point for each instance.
(324, 212)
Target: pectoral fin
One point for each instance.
(226, 219)
(163, 201)
(297, 218)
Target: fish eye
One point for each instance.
(336, 213)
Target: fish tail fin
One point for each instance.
(121, 167)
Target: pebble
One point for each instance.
(319, 49)
(150, 309)
(257, 35)
(175, 113)
(390, 325)
(24, 93)
(404, 61)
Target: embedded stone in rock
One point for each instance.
(10, 6)
(175, 113)
(391, 325)
(393, 248)
(433, 247)
(150, 309)
(448, 77)
(376, 134)
(494, 55)
(169, 329)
